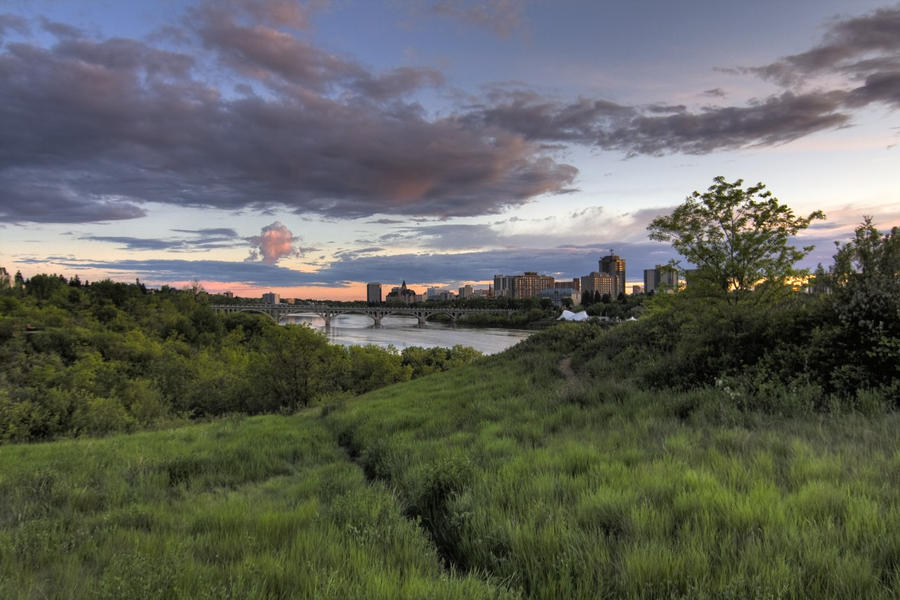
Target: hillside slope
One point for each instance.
(568, 486)
(522, 475)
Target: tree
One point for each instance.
(865, 281)
(736, 237)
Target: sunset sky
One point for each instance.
(309, 147)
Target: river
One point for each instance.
(403, 331)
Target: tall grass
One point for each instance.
(592, 488)
(243, 508)
(507, 478)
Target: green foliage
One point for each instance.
(736, 237)
(424, 361)
(113, 357)
(370, 367)
(865, 282)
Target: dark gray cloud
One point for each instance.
(90, 129)
(9, 22)
(23, 199)
(262, 50)
(662, 129)
(776, 120)
(62, 31)
(858, 46)
(118, 122)
(878, 87)
(540, 118)
(861, 49)
(864, 50)
(201, 240)
(223, 232)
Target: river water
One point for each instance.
(403, 331)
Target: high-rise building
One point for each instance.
(526, 285)
(373, 293)
(503, 285)
(615, 266)
(663, 277)
(271, 298)
(530, 284)
(466, 291)
(602, 283)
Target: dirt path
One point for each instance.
(565, 367)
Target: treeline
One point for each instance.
(106, 357)
(770, 348)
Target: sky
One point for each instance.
(310, 147)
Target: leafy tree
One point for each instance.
(736, 237)
(371, 367)
(866, 299)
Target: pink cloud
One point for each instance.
(274, 242)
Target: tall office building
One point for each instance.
(373, 293)
(663, 277)
(601, 283)
(615, 266)
(271, 298)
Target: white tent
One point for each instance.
(568, 315)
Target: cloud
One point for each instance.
(28, 200)
(858, 46)
(9, 22)
(225, 232)
(110, 119)
(201, 240)
(91, 129)
(420, 268)
(860, 49)
(274, 242)
(863, 53)
(570, 258)
(663, 129)
(776, 120)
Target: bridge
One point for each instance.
(328, 312)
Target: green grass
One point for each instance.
(245, 508)
(588, 488)
(502, 478)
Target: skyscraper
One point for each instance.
(615, 266)
(373, 293)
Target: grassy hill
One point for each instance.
(529, 474)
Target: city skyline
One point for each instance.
(307, 148)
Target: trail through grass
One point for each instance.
(569, 487)
(512, 477)
(263, 507)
